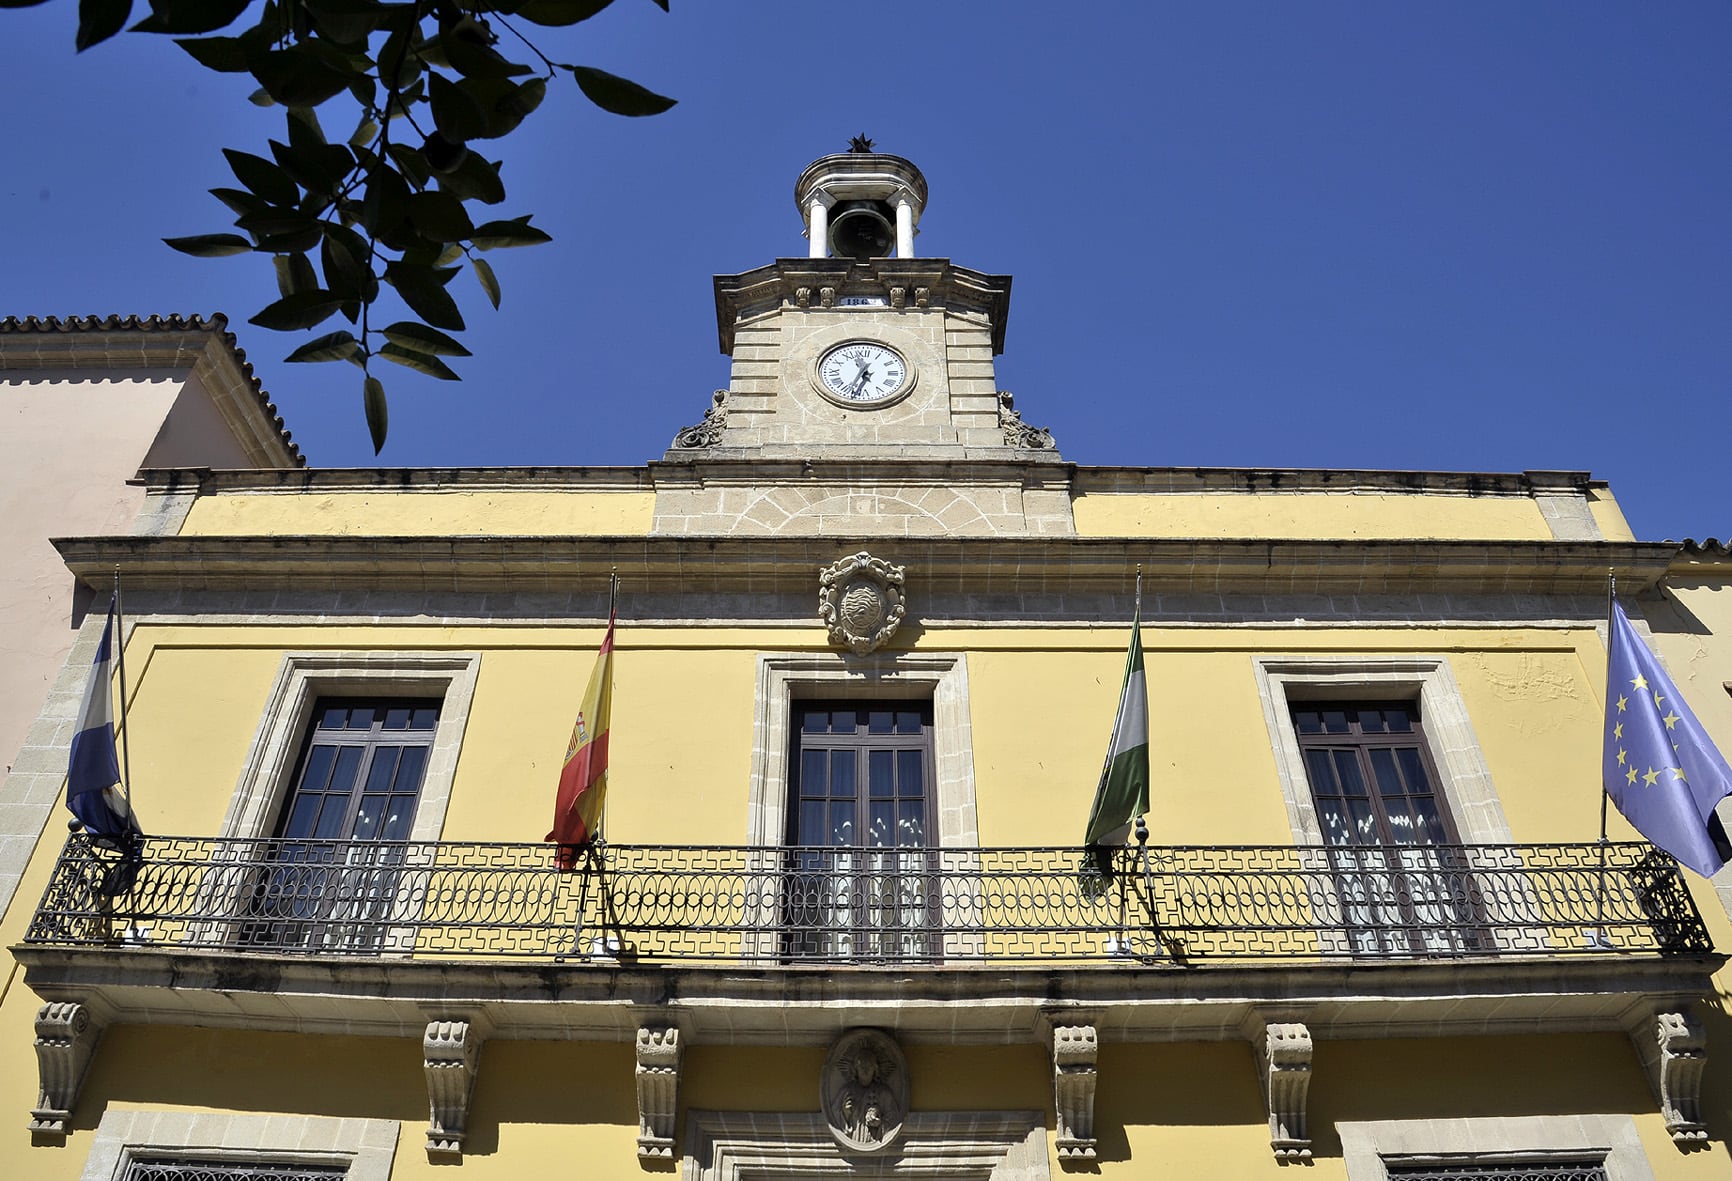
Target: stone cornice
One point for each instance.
(201, 344)
(949, 286)
(1110, 480)
(773, 565)
(746, 1004)
(210, 482)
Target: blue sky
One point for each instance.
(1463, 236)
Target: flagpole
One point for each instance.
(120, 667)
(1600, 937)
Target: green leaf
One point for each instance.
(294, 274)
(98, 20)
(191, 16)
(21, 3)
(261, 98)
(385, 204)
(504, 103)
(342, 255)
(318, 168)
(422, 339)
(468, 46)
(423, 289)
(365, 134)
(412, 163)
(617, 95)
(263, 177)
(558, 13)
(489, 281)
(304, 309)
(333, 346)
(475, 179)
(225, 55)
(304, 129)
(496, 235)
(345, 21)
(455, 112)
(439, 217)
(304, 74)
(210, 245)
(419, 362)
(373, 398)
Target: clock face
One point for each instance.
(863, 373)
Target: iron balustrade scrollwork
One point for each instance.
(798, 905)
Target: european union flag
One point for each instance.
(1661, 769)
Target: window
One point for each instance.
(859, 881)
(132, 1145)
(338, 863)
(1577, 1170)
(1400, 884)
(204, 1170)
(1582, 1147)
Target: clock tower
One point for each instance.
(862, 398)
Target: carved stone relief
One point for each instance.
(451, 1052)
(864, 1091)
(1075, 1050)
(1018, 433)
(708, 432)
(658, 1086)
(1284, 1059)
(65, 1038)
(860, 601)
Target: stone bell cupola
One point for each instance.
(863, 356)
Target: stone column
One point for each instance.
(904, 227)
(818, 228)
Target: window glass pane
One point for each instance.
(1413, 769)
(426, 718)
(397, 718)
(1335, 721)
(910, 774)
(843, 722)
(361, 717)
(301, 818)
(842, 765)
(816, 722)
(911, 827)
(883, 824)
(812, 828)
(1364, 822)
(1307, 721)
(1322, 772)
(335, 717)
(881, 769)
(384, 768)
(1400, 719)
(1334, 818)
(398, 817)
(841, 824)
(1401, 829)
(320, 760)
(1347, 772)
(368, 816)
(1431, 824)
(882, 721)
(348, 762)
(409, 768)
(1371, 721)
(908, 721)
(813, 780)
(1383, 766)
(331, 818)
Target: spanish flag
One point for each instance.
(583, 779)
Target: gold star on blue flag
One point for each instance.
(1661, 769)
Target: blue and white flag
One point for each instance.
(93, 772)
(1661, 769)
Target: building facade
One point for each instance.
(871, 635)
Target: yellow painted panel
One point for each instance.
(1609, 516)
(1309, 515)
(1185, 1110)
(429, 513)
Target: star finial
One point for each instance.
(860, 143)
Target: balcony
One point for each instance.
(765, 943)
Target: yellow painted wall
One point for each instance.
(1609, 516)
(1309, 515)
(424, 513)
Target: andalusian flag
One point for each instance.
(1123, 794)
(583, 780)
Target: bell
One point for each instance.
(861, 229)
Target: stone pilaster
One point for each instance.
(658, 1088)
(66, 1036)
(1075, 1051)
(452, 1054)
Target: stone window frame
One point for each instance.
(938, 1145)
(787, 678)
(366, 1148)
(1368, 1147)
(267, 775)
(941, 677)
(1464, 779)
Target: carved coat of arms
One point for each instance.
(860, 602)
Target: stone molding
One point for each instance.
(1673, 1048)
(657, 1074)
(935, 1146)
(1368, 1147)
(1284, 1052)
(1075, 1078)
(66, 1037)
(860, 601)
(363, 1148)
(451, 1053)
(748, 1005)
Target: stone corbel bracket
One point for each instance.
(452, 1054)
(1075, 1074)
(66, 1037)
(658, 1089)
(1284, 1051)
(1674, 1049)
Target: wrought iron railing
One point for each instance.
(796, 905)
